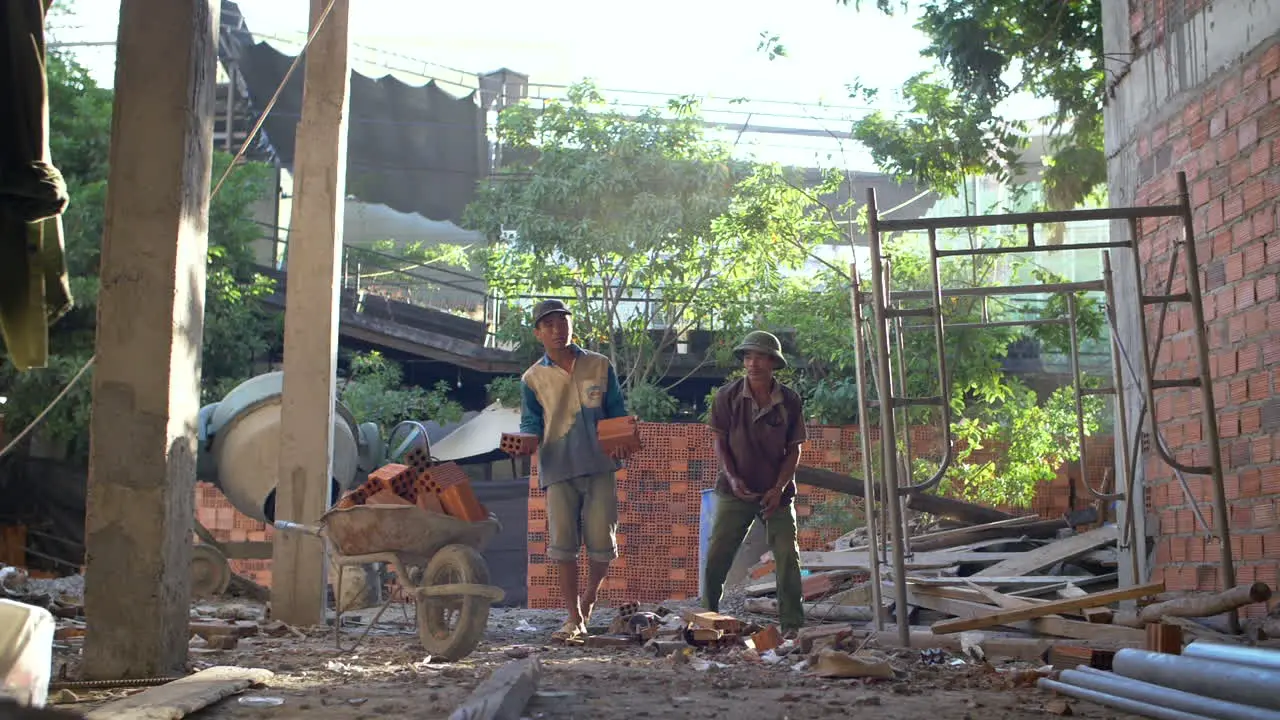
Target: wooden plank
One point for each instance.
(923, 502)
(1053, 553)
(1039, 530)
(1004, 617)
(1056, 626)
(504, 694)
(964, 532)
(311, 318)
(813, 611)
(182, 697)
(1094, 614)
(1050, 580)
(853, 559)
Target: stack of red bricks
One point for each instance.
(660, 503)
(227, 524)
(443, 488)
(1225, 136)
(440, 488)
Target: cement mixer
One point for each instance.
(239, 453)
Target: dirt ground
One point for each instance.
(391, 676)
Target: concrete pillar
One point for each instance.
(311, 319)
(146, 386)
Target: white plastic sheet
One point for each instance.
(26, 652)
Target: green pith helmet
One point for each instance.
(762, 342)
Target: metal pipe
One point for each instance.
(944, 377)
(1224, 681)
(906, 456)
(1084, 286)
(1029, 322)
(1120, 703)
(1077, 392)
(1143, 408)
(1129, 528)
(1018, 249)
(1030, 218)
(1221, 511)
(888, 439)
(864, 440)
(1112, 684)
(1254, 657)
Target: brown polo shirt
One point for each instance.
(759, 437)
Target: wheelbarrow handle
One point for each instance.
(296, 527)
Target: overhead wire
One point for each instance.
(244, 146)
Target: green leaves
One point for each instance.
(959, 123)
(639, 220)
(374, 392)
(237, 332)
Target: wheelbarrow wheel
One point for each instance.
(452, 627)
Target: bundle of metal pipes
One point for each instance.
(1226, 682)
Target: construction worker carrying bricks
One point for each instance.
(565, 394)
(759, 429)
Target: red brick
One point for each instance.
(1244, 291)
(1227, 149)
(1232, 206)
(1250, 420)
(1252, 549)
(1250, 483)
(1218, 125)
(1266, 288)
(1269, 63)
(1260, 159)
(1269, 481)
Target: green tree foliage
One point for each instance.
(603, 208)
(374, 391)
(504, 390)
(237, 331)
(959, 124)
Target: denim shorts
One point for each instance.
(580, 511)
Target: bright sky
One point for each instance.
(668, 47)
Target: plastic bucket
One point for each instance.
(26, 652)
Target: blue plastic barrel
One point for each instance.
(705, 517)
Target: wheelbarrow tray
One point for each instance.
(406, 530)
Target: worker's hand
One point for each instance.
(740, 490)
(621, 452)
(771, 500)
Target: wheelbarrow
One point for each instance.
(436, 559)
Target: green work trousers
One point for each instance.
(733, 519)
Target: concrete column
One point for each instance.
(146, 388)
(311, 319)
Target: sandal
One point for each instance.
(569, 632)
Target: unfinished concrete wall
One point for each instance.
(1195, 87)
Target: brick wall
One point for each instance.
(660, 503)
(1225, 134)
(227, 524)
(659, 500)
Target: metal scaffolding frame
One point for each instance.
(887, 321)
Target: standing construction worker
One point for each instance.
(759, 429)
(565, 394)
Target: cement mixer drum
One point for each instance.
(240, 446)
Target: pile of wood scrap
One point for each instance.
(836, 585)
(1031, 575)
